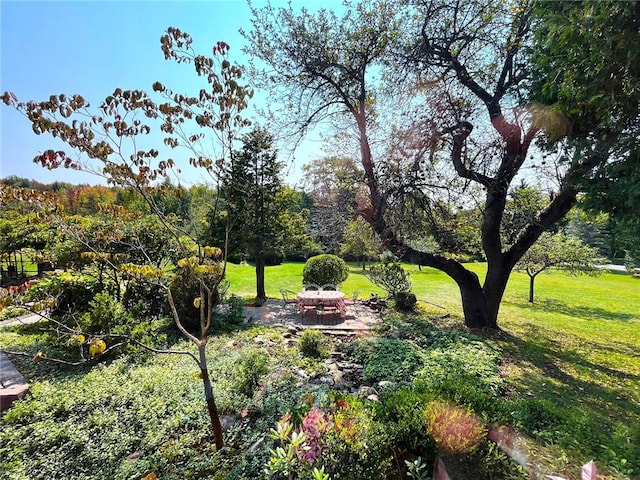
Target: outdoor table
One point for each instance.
(329, 299)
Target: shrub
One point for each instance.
(454, 429)
(313, 344)
(405, 301)
(72, 292)
(231, 312)
(252, 365)
(391, 277)
(105, 313)
(185, 287)
(325, 268)
(145, 299)
(402, 411)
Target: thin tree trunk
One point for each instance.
(260, 289)
(211, 403)
(531, 281)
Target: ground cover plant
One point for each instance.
(562, 379)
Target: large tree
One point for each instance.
(466, 133)
(333, 183)
(251, 190)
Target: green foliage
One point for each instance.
(72, 291)
(405, 301)
(325, 268)
(388, 359)
(391, 277)
(251, 366)
(535, 416)
(104, 315)
(402, 412)
(360, 241)
(145, 299)
(231, 313)
(185, 288)
(81, 426)
(314, 344)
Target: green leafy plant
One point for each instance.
(325, 269)
(251, 366)
(405, 301)
(388, 359)
(417, 469)
(314, 344)
(391, 277)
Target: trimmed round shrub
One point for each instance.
(325, 268)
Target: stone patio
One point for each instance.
(276, 313)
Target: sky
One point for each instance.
(90, 48)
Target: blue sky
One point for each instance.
(90, 48)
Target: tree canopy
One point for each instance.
(452, 130)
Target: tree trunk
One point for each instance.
(211, 403)
(364, 264)
(531, 281)
(495, 283)
(260, 291)
(475, 304)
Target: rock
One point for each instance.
(253, 448)
(323, 380)
(383, 384)
(260, 340)
(292, 329)
(373, 398)
(300, 372)
(227, 421)
(366, 390)
(286, 334)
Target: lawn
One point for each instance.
(564, 372)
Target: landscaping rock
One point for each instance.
(227, 421)
(260, 340)
(385, 384)
(323, 380)
(300, 372)
(365, 391)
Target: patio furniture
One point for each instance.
(329, 286)
(324, 301)
(288, 297)
(310, 287)
(352, 301)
